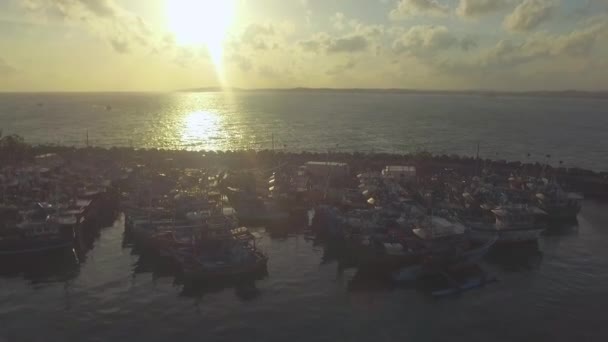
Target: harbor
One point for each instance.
(353, 235)
(398, 218)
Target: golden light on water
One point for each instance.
(202, 22)
(201, 130)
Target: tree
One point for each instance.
(13, 148)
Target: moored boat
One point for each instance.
(34, 232)
(513, 224)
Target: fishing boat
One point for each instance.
(434, 242)
(513, 223)
(448, 242)
(253, 210)
(558, 204)
(26, 232)
(215, 256)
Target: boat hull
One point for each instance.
(8, 248)
(562, 214)
(506, 235)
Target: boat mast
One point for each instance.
(477, 172)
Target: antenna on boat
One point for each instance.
(149, 208)
(477, 172)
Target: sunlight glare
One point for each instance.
(201, 129)
(201, 22)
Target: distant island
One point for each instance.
(489, 93)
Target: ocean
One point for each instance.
(570, 130)
(554, 291)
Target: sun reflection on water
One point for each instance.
(201, 130)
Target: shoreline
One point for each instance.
(591, 184)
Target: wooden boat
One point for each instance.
(35, 233)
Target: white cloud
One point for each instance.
(323, 42)
(348, 44)
(476, 8)
(407, 8)
(362, 38)
(260, 36)
(538, 47)
(424, 39)
(121, 29)
(338, 21)
(529, 15)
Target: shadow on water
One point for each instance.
(162, 267)
(57, 266)
(516, 257)
(245, 288)
(562, 228)
(89, 233)
(369, 282)
(53, 266)
(158, 266)
(284, 230)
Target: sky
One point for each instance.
(164, 45)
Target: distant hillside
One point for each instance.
(540, 93)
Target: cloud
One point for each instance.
(362, 38)
(425, 39)
(101, 7)
(538, 47)
(323, 42)
(243, 63)
(316, 43)
(6, 69)
(257, 36)
(348, 44)
(340, 69)
(468, 43)
(581, 42)
(269, 72)
(338, 21)
(529, 14)
(120, 45)
(477, 8)
(187, 57)
(121, 29)
(406, 8)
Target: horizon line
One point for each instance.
(300, 88)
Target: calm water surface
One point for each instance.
(557, 291)
(571, 130)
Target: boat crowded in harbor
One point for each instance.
(396, 221)
(51, 206)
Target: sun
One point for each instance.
(201, 22)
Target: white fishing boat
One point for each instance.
(513, 223)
